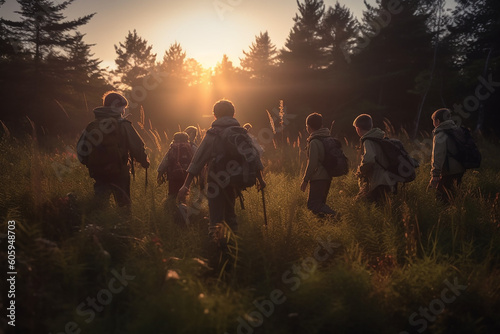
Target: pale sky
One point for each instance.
(206, 29)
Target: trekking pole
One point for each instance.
(264, 206)
(132, 168)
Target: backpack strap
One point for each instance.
(379, 141)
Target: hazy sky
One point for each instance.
(206, 29)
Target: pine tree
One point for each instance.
(196, 74)
(477, 27)
(392, 51)
(224, 73)
(305, 48)
(43, 29)
(174, 61)
(475, 32)
(135, 59)
(38, 60)
(261, 58)
(83, 68)
(6, 47)
(340, 29)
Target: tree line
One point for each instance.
(401, 61)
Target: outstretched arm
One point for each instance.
(184, 191)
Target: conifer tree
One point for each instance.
(305, 48)
(135, 59)
(261, 58)
(44, 29)
(340, 29)
(174, 61)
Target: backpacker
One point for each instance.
(236, 160)
(335, 162)
(179, 157)
(105, 147)
(468, 154)
(400, 164)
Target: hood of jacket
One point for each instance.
(225, 122)
(443, 126)
(104, 112)
(374, 133)
(323, 132)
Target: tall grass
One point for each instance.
(390, 260)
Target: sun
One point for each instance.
(203, 36)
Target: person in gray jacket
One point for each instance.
(316, 175)
(446, 172)
(375, 182)
(106, 146)
(222, 199)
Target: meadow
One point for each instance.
(412, 265)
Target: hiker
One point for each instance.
(375, 182)
(106, 146)
(192, 132)
(214, 149)
(446, 170)
(175, 163)
(316, 175)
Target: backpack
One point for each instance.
(236, 160)
(400, 164)
(179, 157)
(335, 162)
(468, 154)
(107, 153)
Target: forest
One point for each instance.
(402, 61)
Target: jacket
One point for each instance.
(134, 145)
(443, 148)
(178, 138)
(206, 151)
(370, 169)
(315, 156)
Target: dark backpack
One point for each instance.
(105, 148)
(400, 165)
(179, 157)
(468, 154)
(335, 162)
(236, 160)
